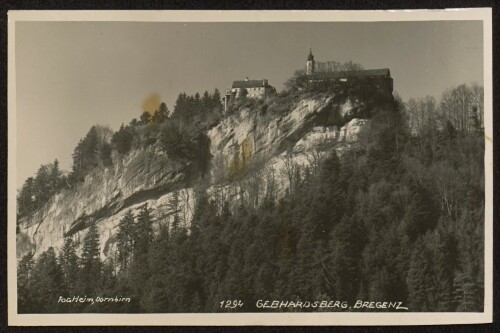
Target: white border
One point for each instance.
(240, 319)
(453, 14)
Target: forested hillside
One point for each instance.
(397, 217)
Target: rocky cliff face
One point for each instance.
(242, 144)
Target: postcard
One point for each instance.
(202, 168)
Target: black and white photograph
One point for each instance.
(250, 168)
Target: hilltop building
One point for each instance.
(254, 88)
(380, 78)
(258, 89)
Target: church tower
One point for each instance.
(310, 63)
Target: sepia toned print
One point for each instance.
(208, 172)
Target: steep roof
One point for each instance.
(310, 56)
(382, 72)
(249, 84)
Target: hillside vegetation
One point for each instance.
(397, 217)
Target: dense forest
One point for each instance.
(399, 217)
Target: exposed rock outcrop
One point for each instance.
(240, 141)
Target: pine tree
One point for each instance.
(90, 149)
(36, 191)
(445, 262)
(347, 246)
(25, 202)
(197, 100)
(173, 205)
(206, 100)
(105, 154)
(144, 229)
(122, 139)
(469, 276)
(86, 154)
(77, 160)
(327, 204)
(55, 176)
(161, 114)
(466, 293)
(140, 269)
(107, 285)
(421, 285)
(69, 261)
(145, 118)
(47, 277)
(42, 185)
(25, 283)
(216, 99)
(125, 240)
(90, 261)
(156, 294)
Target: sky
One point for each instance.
(72, 75)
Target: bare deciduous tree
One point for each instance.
(445, 182)
(290, 168)
(315, 158)
(186, 206)
(270, 181)
(351, 66)
(463, 107)
(477, 100)
(253, 186)
(422, 114)
(335, 66)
